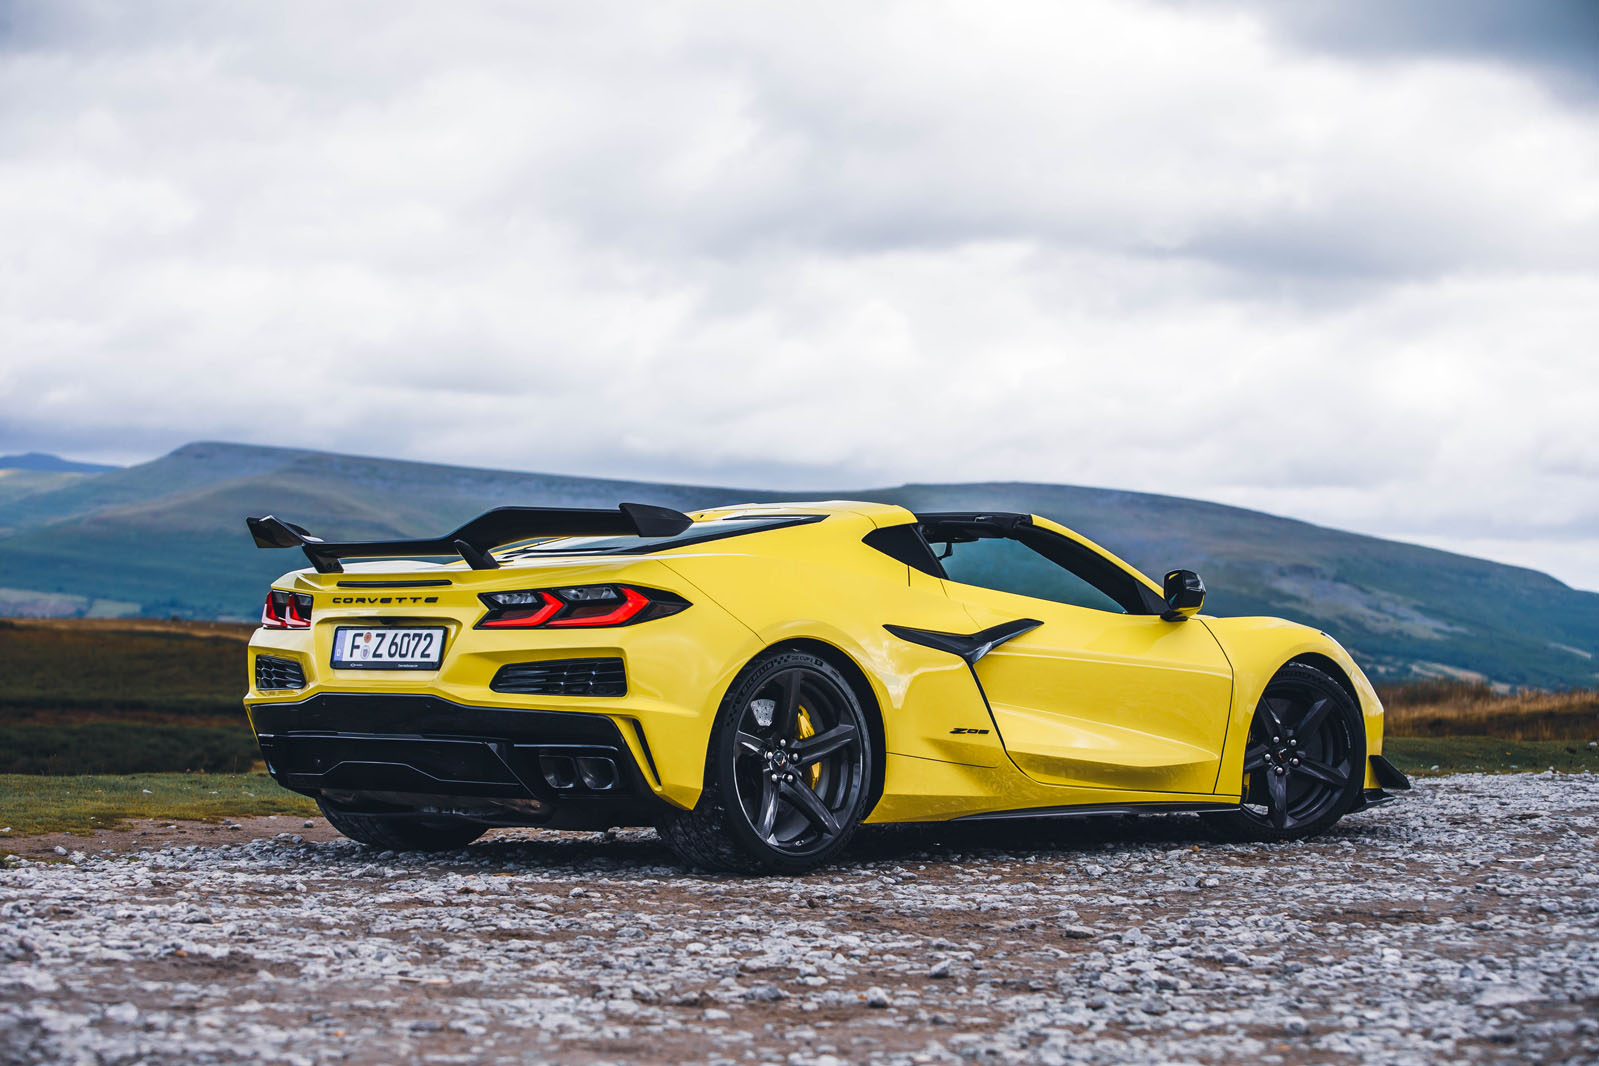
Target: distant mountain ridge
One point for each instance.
(54, 464)
(167, 537)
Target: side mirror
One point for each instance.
(1185, 595)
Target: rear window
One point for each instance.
(698, 533)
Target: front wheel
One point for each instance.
(1304, 762)
(788, 775)
(403, 833)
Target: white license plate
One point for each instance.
(387, 648)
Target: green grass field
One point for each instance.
(126, 747)
(33, 803)
(1488, 755)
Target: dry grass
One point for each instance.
(1456, 708)
(122, 696)
(81, 664)
(237, 630)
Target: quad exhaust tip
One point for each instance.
(564, 773)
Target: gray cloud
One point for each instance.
(1132, 244)
(1557, 38)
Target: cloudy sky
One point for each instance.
(1337, 259)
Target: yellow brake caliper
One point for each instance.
(808, 730)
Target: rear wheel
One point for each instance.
(406, 833)
(789, 772)
(1304, 762)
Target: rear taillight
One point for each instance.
(578, 606)
(286, 610)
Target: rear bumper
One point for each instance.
(392, 752)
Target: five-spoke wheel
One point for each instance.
(1304, 763)
(789, 774)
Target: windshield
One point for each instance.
(697, 533)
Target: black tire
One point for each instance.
(788, 774)
(1304, 761)
(403, 833)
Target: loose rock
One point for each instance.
(1459, 924)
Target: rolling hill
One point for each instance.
(35, 472)
(167, 538)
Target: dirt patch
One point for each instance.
(140, 834)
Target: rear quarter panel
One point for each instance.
(820, 583)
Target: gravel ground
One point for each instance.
(1459, 924)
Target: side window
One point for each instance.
(1010, 566)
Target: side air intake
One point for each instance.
(272, 672)
(563, 677)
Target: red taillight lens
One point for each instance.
(588, 614)
(286, 610)
(534, 613)
(582, 606)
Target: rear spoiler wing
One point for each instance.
(473, 541)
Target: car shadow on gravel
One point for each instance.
(640, 853)
(1041, 837)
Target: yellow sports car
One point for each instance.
(758, 681)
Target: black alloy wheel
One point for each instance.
(799, 761)
(1304, 762)
(789, 773)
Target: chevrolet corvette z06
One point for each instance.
(758, 681)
